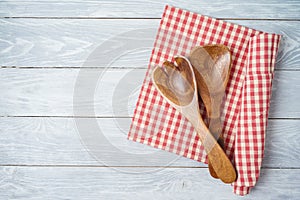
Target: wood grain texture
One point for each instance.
(150, 8)
(118, 183)
(104, 93)
(94, 42)
(57, 141)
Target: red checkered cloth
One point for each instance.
(248, 92)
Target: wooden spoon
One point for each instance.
(211, 65)
(176, 82)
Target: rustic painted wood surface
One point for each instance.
(42, 152)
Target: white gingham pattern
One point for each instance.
(245, 113)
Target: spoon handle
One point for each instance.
(215, 127)
(216, 156)
(215, 123)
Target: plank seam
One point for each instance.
(106, 117)
(157, 166)
(147, 18)
(142, 68)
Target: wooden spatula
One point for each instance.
(211, 65)
(176, 82)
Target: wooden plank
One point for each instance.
(58, 141)
(104, 93)
(285, 95)
(99, 43)
(124, 183)
(150, 8)
(281, 149)
(67, 43)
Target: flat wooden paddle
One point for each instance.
(211, 65)
(176, 83)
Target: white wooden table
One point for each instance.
(44, 45)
